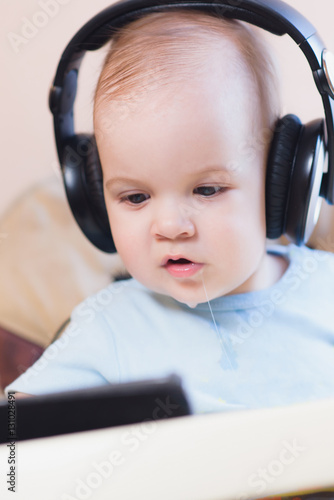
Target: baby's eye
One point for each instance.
(208, 190)
(136, 198)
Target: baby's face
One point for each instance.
(184, 184)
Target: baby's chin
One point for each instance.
(192, 305)
(192, 302)
(190, 298)
(201, 298)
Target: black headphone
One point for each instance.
(301, 158)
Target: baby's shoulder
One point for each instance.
(310, 272)
(311, 259)
(308, 258)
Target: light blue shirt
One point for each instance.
(266, 348)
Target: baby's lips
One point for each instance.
(175, 258)
(182, 268)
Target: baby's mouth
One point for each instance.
(178, 261)
(175, 260)
(181, 267)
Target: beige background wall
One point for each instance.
(28, 66)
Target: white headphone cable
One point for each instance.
(220, 338)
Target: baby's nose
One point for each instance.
(173, 221)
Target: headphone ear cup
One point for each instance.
(304, 199)
(280, 164)
(83, 180)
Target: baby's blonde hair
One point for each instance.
(166, 47)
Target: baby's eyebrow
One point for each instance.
(195, 173)
(121, 180)
(221, 173)
(210, 169)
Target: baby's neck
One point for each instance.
(275, 267)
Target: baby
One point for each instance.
(184, 112)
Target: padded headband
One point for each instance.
(274, 16)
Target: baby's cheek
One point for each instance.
(120, 234)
